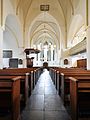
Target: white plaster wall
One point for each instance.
(12, 39)
(73, 60)
(77, 57)
(1, 44)
(7, 9)
(13, 36)
(69, 62)
(9, 42)
(0, 13)
(13, 33)
(77, 20)
(13, 23)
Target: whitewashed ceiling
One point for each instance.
(36, 22)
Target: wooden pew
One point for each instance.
(23, 85)
(79, 96)
(62, 81)
(65, 83)
(10, 96)
(54, 72)
(36, 72)
(27, 79)
(55, 75)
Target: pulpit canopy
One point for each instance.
(31, 50)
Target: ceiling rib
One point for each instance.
(18, 7)
(62, 10)
(47, 32)
(65, 24)
(27, 14)
(25, 21)
(43, 22)
(42, 30)
(72, 7)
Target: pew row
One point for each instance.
(10, 97)
(24, 91)
(60, 78)
(27, 81)
(80, 97)
(65, 83)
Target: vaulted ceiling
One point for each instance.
(37, 22)
(31, 8)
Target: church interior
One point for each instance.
(44, 60)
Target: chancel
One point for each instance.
(44, 60)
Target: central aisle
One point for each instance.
(45, 103)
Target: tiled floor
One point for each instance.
(44, 103)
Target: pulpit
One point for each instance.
(29, 61)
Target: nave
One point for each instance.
(45, 103)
